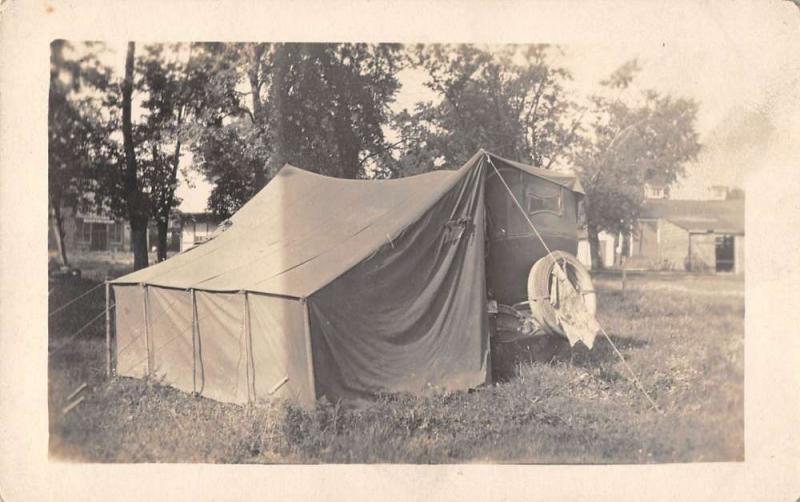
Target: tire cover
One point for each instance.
(539, 280)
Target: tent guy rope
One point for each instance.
(59, 309)
(79, 331)
(558, 265)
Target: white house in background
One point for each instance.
(608, 252)
(196, 228)
(89, 232)
(717, 192)
(655, 191)
(691, 235)
(697, 235)
(93, 232)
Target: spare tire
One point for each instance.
(541, 281)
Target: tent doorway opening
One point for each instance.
(725, 255)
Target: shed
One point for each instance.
(693, 235)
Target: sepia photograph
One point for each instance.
(374, 250)
(272, 252)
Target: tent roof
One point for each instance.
(303, 230)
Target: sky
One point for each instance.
(741, 91)
(746, 90)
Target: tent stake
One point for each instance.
(72, 405)
(77, 391)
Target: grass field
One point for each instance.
(683, 335)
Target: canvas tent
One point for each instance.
(323, 287)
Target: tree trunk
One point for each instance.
(277, 93)
(162, 225)
(594, 247)
(58, 231)
(254, 76)
(136, 212)
(165, 205)
(347, 143)
(139, 242)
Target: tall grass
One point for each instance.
(683, 335)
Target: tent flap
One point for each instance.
(412, 317)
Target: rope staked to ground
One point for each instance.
(564, 275)
(59, 309)
(79, 331)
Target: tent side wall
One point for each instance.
(129, 336)
(412, 317)
(232, 347)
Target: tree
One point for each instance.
(633, 139)
(137, 200)
(230, 143)
(317, 106)
(140, 183)
(169, 84)
(77, 138)
(228, 159)
(328, 105)
(126, 184)
(510, 101)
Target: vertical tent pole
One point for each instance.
(194, 343)
(199, 342)
(147, 326)
(244, 334)
(309, 356)
(108, 329)
(248, 343)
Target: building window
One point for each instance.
(580, 213)
(538, 203)
(198, 238)
(84, 231)
(655, 191)
(115, 230)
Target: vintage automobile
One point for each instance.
(522, 266)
